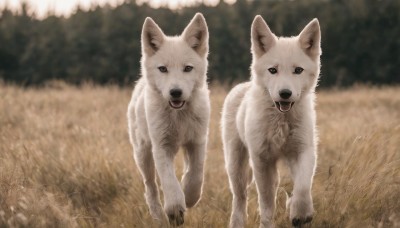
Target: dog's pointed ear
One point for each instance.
(152, 37)
(310, 39)
(196, 34)
(262, 39)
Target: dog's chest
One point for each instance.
(277, 130)
(268, 134)
(187, 126)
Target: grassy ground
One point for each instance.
(65, 161)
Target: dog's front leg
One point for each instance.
(302, 171)
(174, 199)
(192, 180)
(144, 160)
(267, 181)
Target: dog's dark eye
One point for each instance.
(188, 69)
(298, 70)
(163, 69)
(273, 70)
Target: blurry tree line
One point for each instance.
(360, 40)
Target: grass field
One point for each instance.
(65, 161)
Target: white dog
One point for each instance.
(170, 108)
(272, 117)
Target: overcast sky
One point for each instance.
(66, 7)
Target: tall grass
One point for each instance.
(65, 161)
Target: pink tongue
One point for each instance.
(284, 107)
(176, 103)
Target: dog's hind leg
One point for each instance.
(237, 166)
(302, 170)
(174, 199)
(267, 181)
(144, 160)
(192, 180)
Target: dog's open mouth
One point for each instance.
(284, 106)
(176, 104)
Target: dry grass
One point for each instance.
(65, 161)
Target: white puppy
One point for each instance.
(272, 117)
(170, 108)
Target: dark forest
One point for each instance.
(360, 40)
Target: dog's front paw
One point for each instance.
(298, 222)
(175, 215)
(301, 210)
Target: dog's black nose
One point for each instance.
(285, 93)
(175, 93)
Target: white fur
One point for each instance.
(256, 134)
(157, 130)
